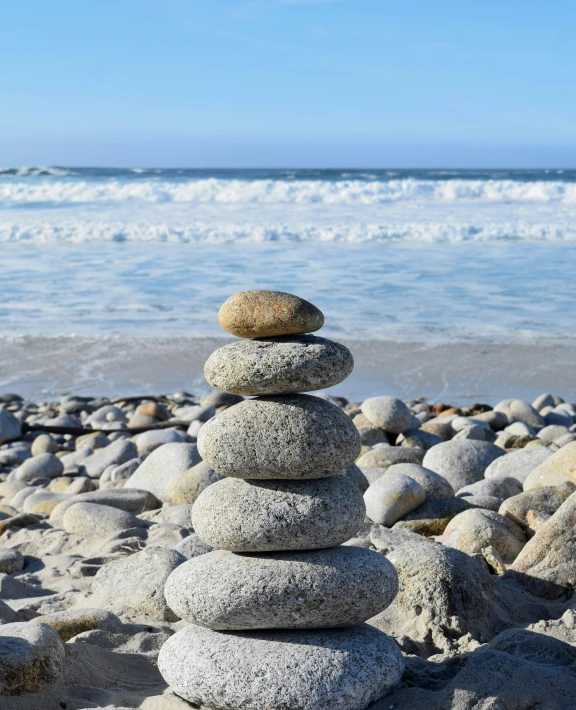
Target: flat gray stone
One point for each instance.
(518, 464)
(340, 586)
(383, 455)
(31, 656)
(499, 487)
(165, 464)
(434, 485)
(132, 501)
(391, 497)
(291, 436)
(283, 365)
(461, 462)
(328, 669)
(96, 520)
(9, 427)
(263, 516)
(134, 585)
(388, 413)
(41, 466)
(114, 454)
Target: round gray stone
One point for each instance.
(391, 497)
(388, 413)
(434, 485)
(95, 520)
(265, 516)
(340, 586)
(10, 427)
(41, 466)
(518, 464)
(282, 365)
(328, 669)
(461, 462)
(132, 501)
(498, 487)
(293, 436)
(133, 585)
(166, 463)
(114, 454)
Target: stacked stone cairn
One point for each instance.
(277, 610)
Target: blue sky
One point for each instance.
(288, 83)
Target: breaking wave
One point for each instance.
(270, 191)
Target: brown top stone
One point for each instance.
(265, 314)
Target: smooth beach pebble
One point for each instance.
(261, 516)
(283, 365)
(265, 314)
(95, 520)
(340, 586)
(461, 462)
(391, 497)
(327, 669)
(388, 413)
(294, 437)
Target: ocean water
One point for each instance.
(112, 256)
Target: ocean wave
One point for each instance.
(224, 191)
(209, 233)
(36, 172)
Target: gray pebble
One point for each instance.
(161, 467)
(340, 586)
(261, 516)
(95, 520)
(391, 497)
(281, 365)
(388, 413)
(327, 669)
(292, 436)
(461, 462)
(41, 466)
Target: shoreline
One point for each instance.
(461, 372)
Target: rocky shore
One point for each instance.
(449, 534)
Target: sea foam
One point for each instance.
(346, 192)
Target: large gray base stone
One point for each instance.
(339, 669)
